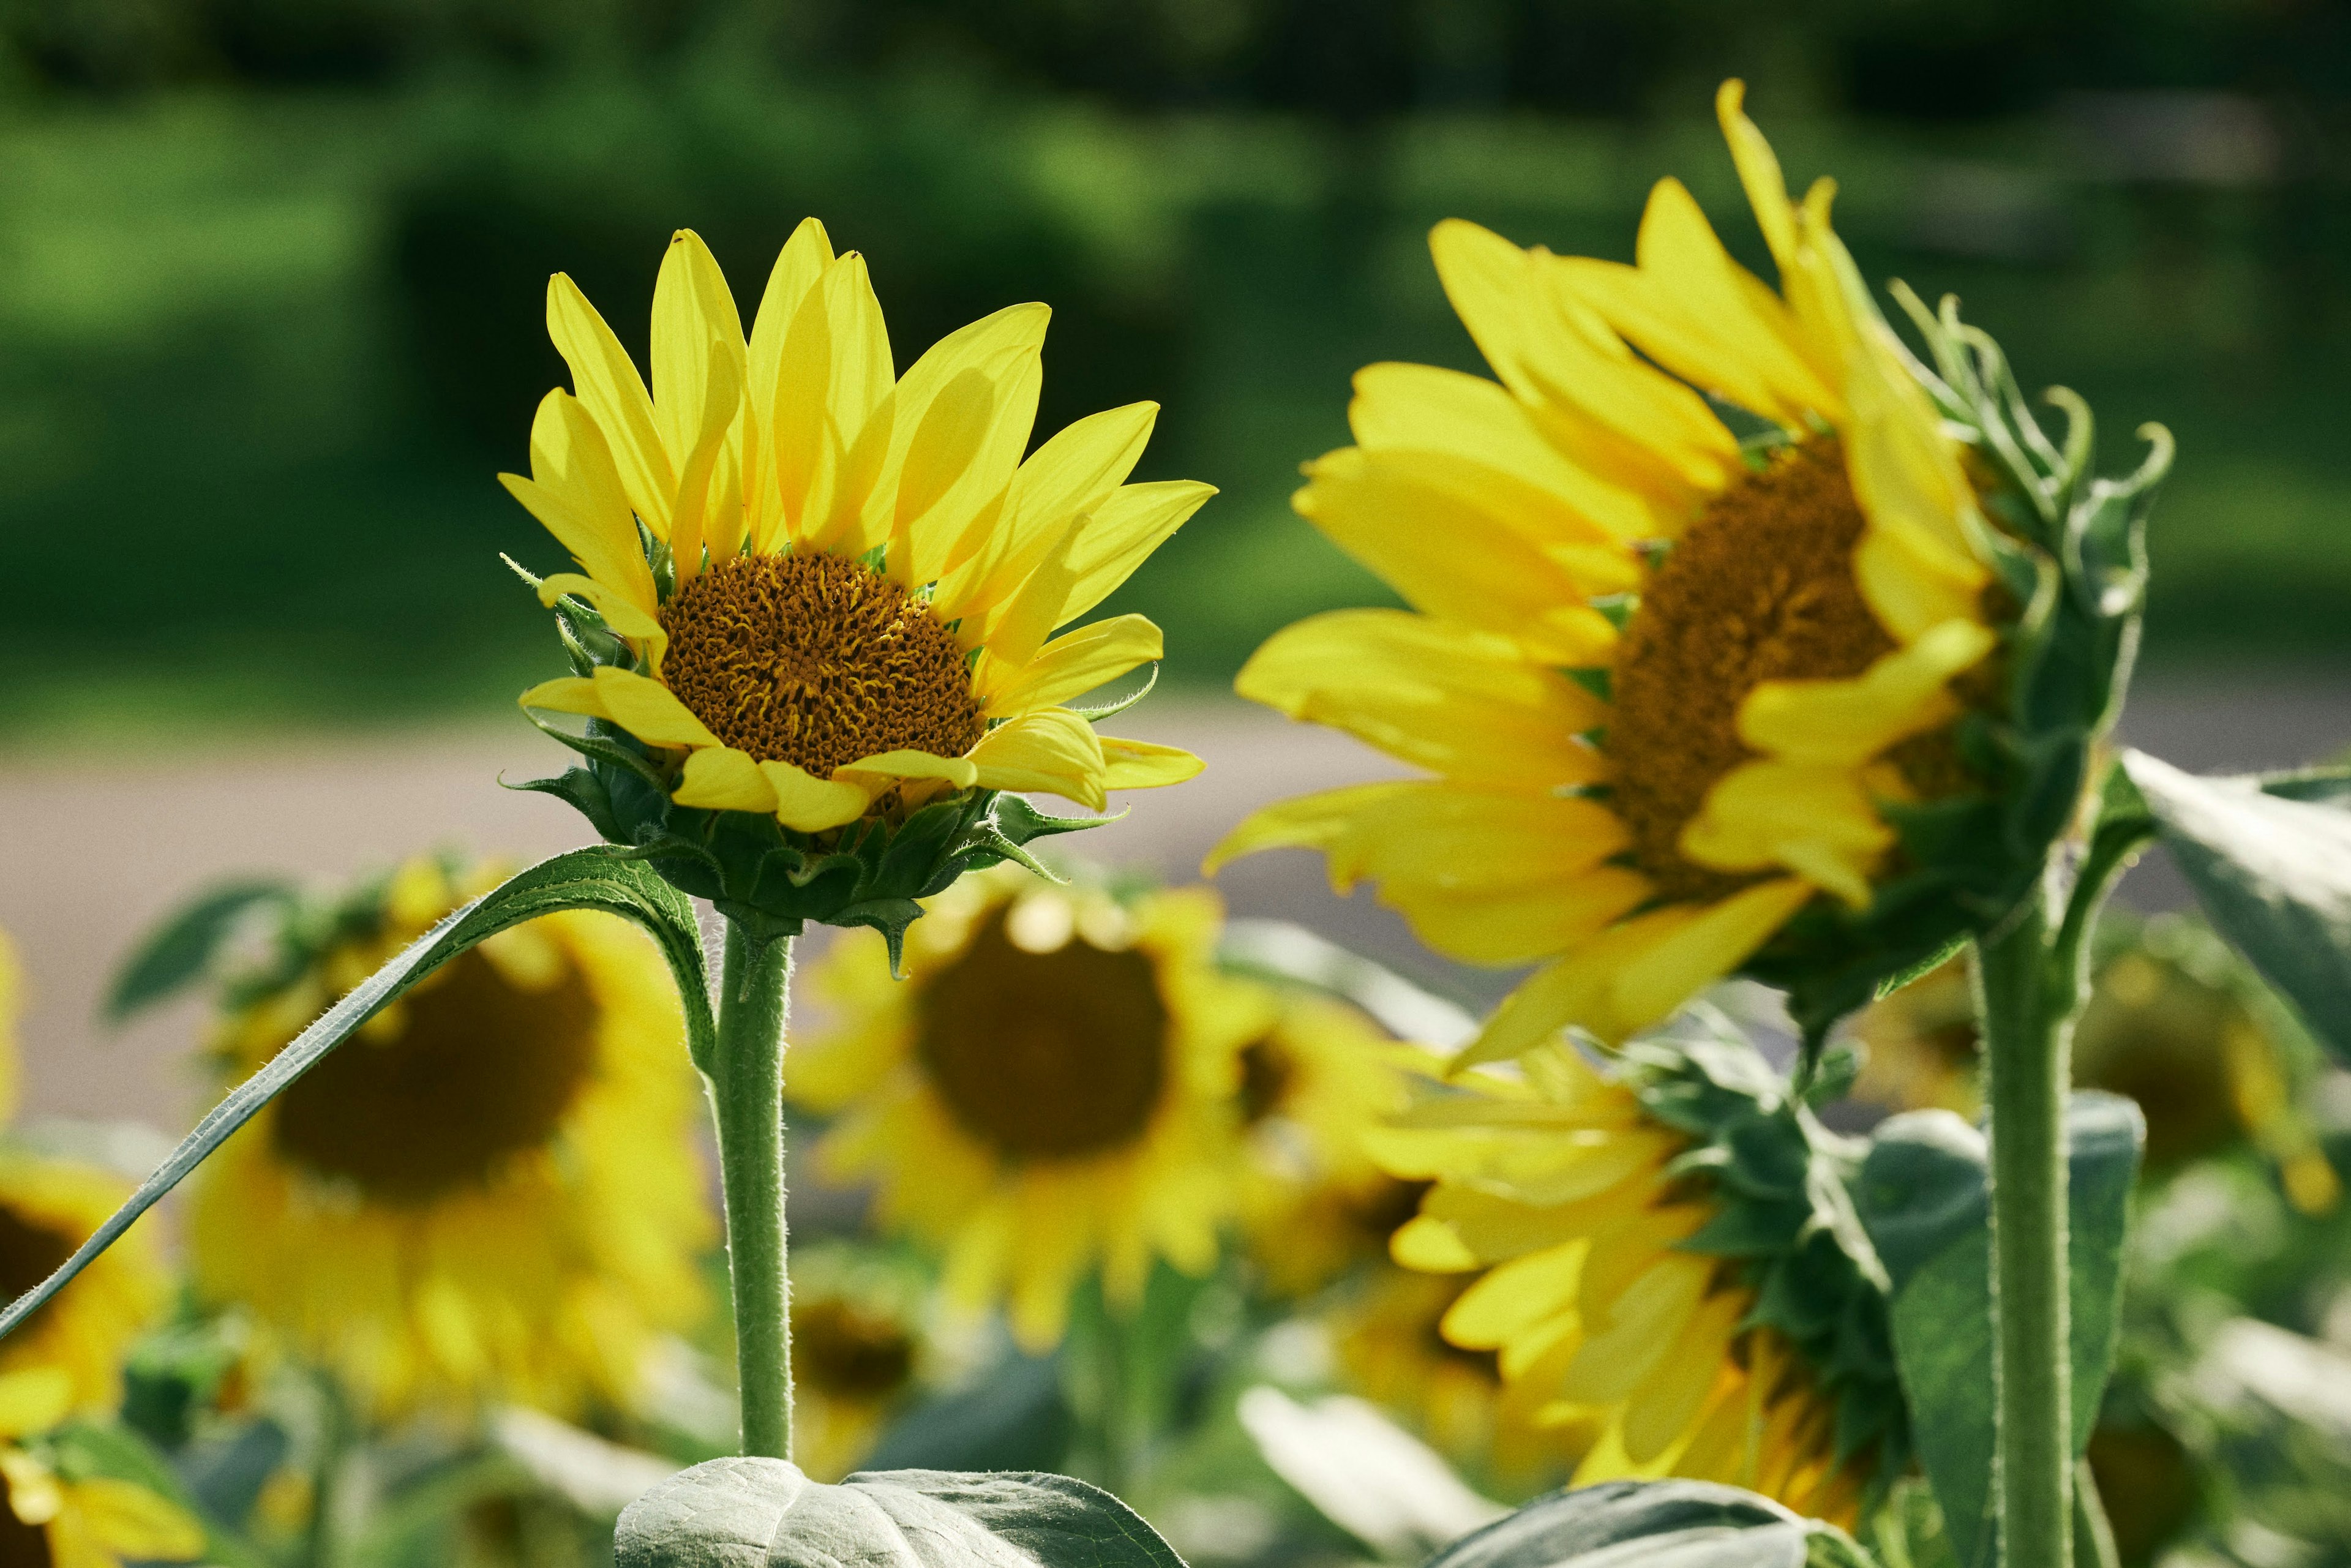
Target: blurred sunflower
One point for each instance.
(488, 1190)
(857, 1350)
(1921, 1046)
(57, 1518)
(49, 1206)
(1392, 1350)
(1050, 1091)
(829, 587)
(1679, 1324)
(1312, 1201)
(1773, 637)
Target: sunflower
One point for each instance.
(1667, 678)
(1390, 1349)
(1921, 1046)
(56, 1516)
(49, 1206)
(858, 1354)
(1312, 1201)
(1050, 1090)
(829, 590)
(489, 1189)
(1576, 1198)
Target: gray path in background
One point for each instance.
(98, 846)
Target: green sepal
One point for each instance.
(775, 881)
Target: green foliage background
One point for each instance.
(271, 274)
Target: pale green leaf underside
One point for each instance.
(764, 1513)
(603, 877)
(1653, 1524)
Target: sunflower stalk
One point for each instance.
(2028, 993)
(747, 1088)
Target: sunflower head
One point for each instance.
(812, 628)
(515, 1129)
(1662, 1263)
(1049, 1095)
(859, 1350)
(1736, 639)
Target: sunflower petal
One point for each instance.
(1072, 474)
(1655, 983)
(1134, 520)
(648, 710)
(1846, 723)
(959, 772)
(1817, 822)
(129, 1520)
(721, 779)
(1072, 666)
(576, 492)
(608, 385)
(694, 321)
(1144, 765)
(1051, 749)
(808, 804)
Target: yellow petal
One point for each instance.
(614, 394)
(1121, 535)
(1070, 475)
(721, 779)
(1670, 1404)
(576, 492)
(959, 771)
(798, 267)
(1420, 408)
(1684, 962)
(1144, 765)
(620, 613)
(1072, 666)
(808, 804)
(1051, 749)
(1455, 547)
(1514, 1296)
(1521, 925)
(1574, 989)
(694, 320)
(1648, 1318)
(567, 693)
(129, 1520)
(1430, 1247)
(1001, 347)
(691, 516)
(961, 460)
(648, 710)
(1845, 723)
(1759, 172)
(1449, 698)
(1817, 822)
(34, 1400)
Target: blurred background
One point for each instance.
(271, 284)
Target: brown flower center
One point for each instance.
(843, 1350)
(1050, 1055)
(817, 661)
(30, 1251)
(478, 1071)
(1268, 1071)
(1760, 588)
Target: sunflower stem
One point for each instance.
(748, 1096)
(2026, 996)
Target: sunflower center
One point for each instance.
(1267, 1073)
(29, 1253)
(22, 1545)
(478, 1071)
(1760, 588)
(1052, 1055)
(817, 661)
(842, 1350)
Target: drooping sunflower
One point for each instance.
(1050, 1092)
(817, 591)
(1669, 680)
(489, 1191)
(1312, 1201)
(1679, 1324)
(55, 1517)
(858, 1344)
(49, 1206)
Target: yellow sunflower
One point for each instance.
(1560, 1187)
(1764, 634)
(832, 584)
(1049, 1092)
(858, 1353)
(54, 1518)
(49, 1206)
(1920, 1045)
(1312, 1201)
(489, 1190)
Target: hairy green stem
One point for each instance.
(2026, 1002)
(748, 1091)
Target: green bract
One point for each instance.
(2068, 553)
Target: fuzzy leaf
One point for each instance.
(1923, 1195)
(177, 952)
(2270, 861)
(601, 877)
(1654, 1524)
(764, 1513)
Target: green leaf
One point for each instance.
(178, 951)
(1924, 1197)
(601, 877)
(2272, 865)
(742, 1512)
(1654, 1524)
